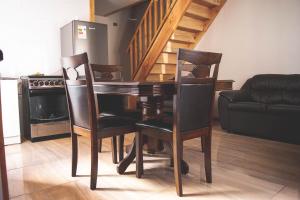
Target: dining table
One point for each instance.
(151, 96)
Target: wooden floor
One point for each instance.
(243, 168)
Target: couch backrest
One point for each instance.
(274, 88)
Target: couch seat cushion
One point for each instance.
(247, 106)
(283, 108)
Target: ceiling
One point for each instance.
(107, 7)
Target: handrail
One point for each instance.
(147, 30)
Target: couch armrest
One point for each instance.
(225, 98)
(230, 95)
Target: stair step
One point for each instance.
(164, 69)
(167, 58)
(190, 24)
(208, 3)
(183, 37)
(198, 11)
(172, 46)
(160, 77)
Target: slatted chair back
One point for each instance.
(108, 103)
(79, 90)
(196, 78)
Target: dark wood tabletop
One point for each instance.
(147, 88)
(135, 88)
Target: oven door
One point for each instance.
(48, 105)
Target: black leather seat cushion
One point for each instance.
(247, 106)
(162, 125)
(283, 108)
(113, 122)
(133, 115)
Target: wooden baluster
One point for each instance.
(147, 29)
(135, 54)
(131, 59)
(150, 23)
(161, 6)
(145, 34)
(155, 16)
(140, 44)
(168, 3)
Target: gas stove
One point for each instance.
(45, 108)
(45, 82)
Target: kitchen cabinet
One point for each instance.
(10, 111)
(3, 171)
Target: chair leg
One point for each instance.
(100, 145)
(207, 156)
(139, 154)
(94, 163)
(114, 149)
(121, 147)
(172, 162)
(74, 153)
(202, 143)
(177, 156)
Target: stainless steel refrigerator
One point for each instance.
(80, 36)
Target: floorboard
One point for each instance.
(243, 168)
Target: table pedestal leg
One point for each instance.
(152, 109)
(184, 166)
(123, 164)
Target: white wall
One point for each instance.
(29, 33)
(255, 36)
(120, 35)
(115, 34)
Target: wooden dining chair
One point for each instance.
(192, 111)
(112, 104)
(84, 119)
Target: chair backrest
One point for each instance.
(106, 72)
(79, 90)
(108, 103)
(196, 77)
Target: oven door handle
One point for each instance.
(47, 91)
(61, 118)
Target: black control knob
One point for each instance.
(46, 83)
(41, 83)
(35, 83)
(51, 83)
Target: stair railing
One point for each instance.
(147, 30)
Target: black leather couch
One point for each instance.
(1, 55)
(267, 106)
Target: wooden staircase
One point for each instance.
(166, 26)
